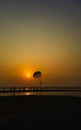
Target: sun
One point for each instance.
(28, 75)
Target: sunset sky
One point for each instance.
(42, 35)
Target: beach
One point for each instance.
(40, 112)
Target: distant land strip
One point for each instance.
(39, 89)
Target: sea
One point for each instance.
(76, 94)
(42, 94)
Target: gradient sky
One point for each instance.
(40, 35)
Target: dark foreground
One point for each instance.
(40, 112)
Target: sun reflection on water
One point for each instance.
(28, 93)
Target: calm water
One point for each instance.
(78, 94)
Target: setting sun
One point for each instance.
(28, 75)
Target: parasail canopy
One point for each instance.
(37, 74)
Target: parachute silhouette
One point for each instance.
(37, 74)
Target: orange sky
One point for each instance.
(42, 36)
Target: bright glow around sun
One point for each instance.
(28, 75)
